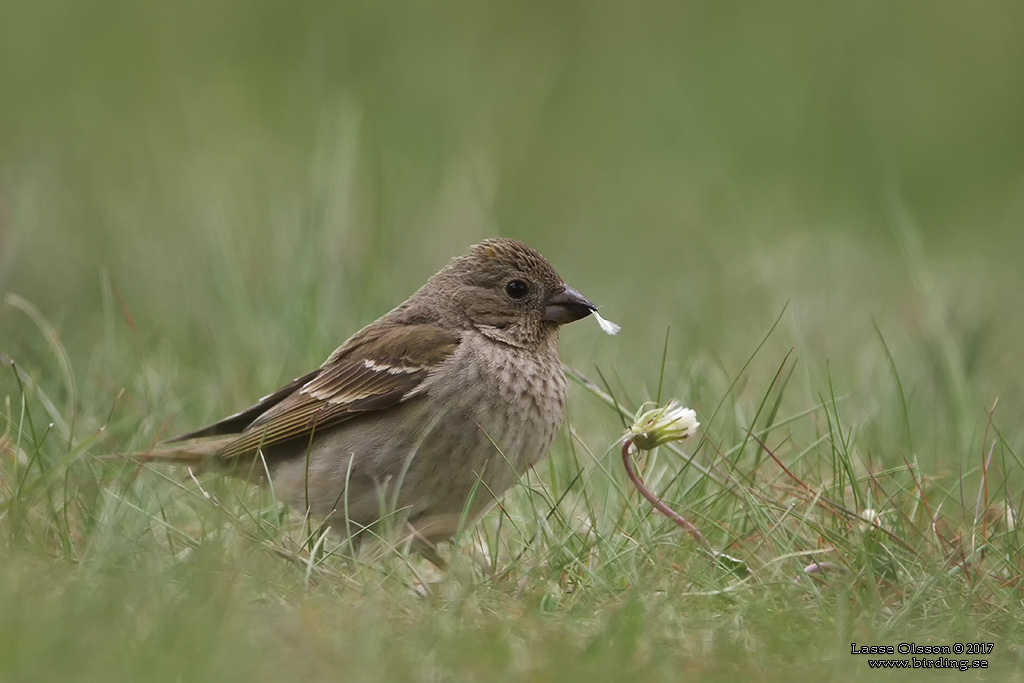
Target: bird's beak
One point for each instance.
(567, 306)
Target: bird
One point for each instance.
(431, 412)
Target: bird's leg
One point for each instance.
(425, 547)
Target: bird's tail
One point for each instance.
(198, 454)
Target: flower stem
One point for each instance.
(654, 500)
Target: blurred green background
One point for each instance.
(221, 193)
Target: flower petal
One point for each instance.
(607, 325)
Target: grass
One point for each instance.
(807, 225)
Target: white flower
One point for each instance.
(658, 426)
(607, 325)
(870, 520)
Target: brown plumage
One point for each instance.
(440, 404)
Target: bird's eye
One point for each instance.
(516, 289)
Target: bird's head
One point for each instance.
(509, 292)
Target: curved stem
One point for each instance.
(654, 500)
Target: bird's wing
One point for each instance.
(375, 370)
(236, 424)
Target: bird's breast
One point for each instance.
(512, 399)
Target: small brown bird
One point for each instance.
(431, 411)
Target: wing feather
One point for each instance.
(234, 424)
(375, 370)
